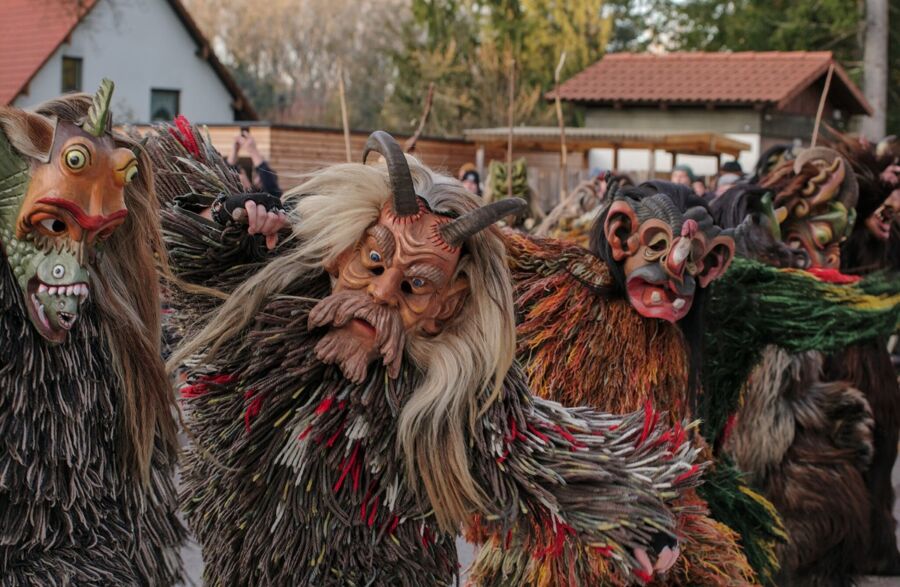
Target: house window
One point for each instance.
(164, 105)
(71, 74)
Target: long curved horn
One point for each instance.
(455, 233)
(97, 118)
(405, 202)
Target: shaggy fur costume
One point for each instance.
(818, 434)
(73, 510)
(296, 475)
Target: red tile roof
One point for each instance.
(745, 78)
(29, 34)
(31, 30)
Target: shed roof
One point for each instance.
(547, 138)
(722, 78)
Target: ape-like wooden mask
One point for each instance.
(665, 253)
(71, 198)
(400, 280)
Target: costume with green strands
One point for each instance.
(296, 475)
(583, 347)
(75, 506)
(754, 305)
(761, 315)
(795, 431)
(753, 308)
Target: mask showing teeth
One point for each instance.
(656, 297)
(55, 287)
(679, 303)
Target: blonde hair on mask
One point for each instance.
(464, 366)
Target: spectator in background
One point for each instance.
(730, 174)
(683, 174)
(699, 186)
(258, 175)
(470, 179)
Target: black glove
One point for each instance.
(659, 541)
(224, 206)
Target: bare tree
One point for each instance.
(875, 60)
(286, 53)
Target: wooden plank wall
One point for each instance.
(295, 151)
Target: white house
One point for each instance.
(152, 49)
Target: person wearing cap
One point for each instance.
(683, 174)
(471, 181)
(731, 173)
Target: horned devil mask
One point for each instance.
(665, 253)
(401, 280)
(71, 198)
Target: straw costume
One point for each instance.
(86, 493)
(355, 401)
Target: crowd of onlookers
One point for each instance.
(709, 188)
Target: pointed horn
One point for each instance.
(455, 233)
(97, 118)
(405, 202)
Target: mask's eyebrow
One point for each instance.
(384, 238)
(429, 272)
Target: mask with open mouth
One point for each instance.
(400, 280)
(67, 197)
(666, 253)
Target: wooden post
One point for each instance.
(479, 161)
(512, 107)
(344, 119)
(563, 166)
(822, 105)
(651, 167)
(615, 161)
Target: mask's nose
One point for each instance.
(385, 288)
(678, 258)
(124, 167)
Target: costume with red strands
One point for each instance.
(580, 347)
(358, 405)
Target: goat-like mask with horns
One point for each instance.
(401, 278)
(62, 193)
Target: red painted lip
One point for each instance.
(640, 292)
(85, 221)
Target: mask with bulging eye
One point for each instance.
(74, 201)
(402, 278)
(666, 254)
